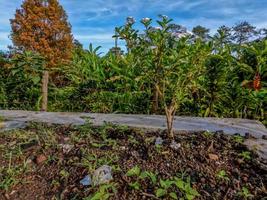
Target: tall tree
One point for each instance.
(243, 32)
(201, 32)
(223, 36)
(41, 26)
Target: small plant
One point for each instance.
(164, 187)
(238, 139)
(103, 193)
(185, 186)
(151, 175)
(222, 175)
(64, 174)
(135, 171)
(246, 155)
(208, 134)
(136, 185)
(245, 193)
(9, 176)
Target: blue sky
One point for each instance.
(93, 21)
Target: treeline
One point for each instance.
(215, 76)
(166, 69)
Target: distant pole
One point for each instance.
(44, 90)
(116, 36)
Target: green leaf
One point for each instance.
(160, 192)
(173, 195)
(180, 184)
(135, 171)
(135, 185)
(189, 196)
(36, 79)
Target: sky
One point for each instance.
(93, 21)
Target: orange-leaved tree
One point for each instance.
(41, 26)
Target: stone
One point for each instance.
(158, 141)
(102, 175)
(66, 148)
(40, 159)
(86, 181)
(174, 145)
(213, 156)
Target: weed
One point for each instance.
(246, 155)
(245, 193)
(222, 175)
(103, 193)
(135, 171)
(8, 176)
(208, 134)
(238, 139)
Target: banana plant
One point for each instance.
(253, 63)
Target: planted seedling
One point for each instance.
(104, 192)
(245, 193)
(238, 139)
(246, 155)
(135, 171)
(185, 187)
(222, 175)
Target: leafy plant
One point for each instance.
(238, 139)
(246, 155)
(245, 193)
(103, 193)
(222, 175)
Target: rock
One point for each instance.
(102, 175)
(158, 141)
(66, 148)
(86, 181)
(174, 145)
(40, 159)
(213, 156)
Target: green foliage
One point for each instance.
(165, 187)
(135, 171)
(246, 155)
(103, 193)
(23, 81)
(160, 73)
(238, 139)
(245, 193)
(222, 175)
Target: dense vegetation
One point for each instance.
(166, 69)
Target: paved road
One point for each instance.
(18, 119)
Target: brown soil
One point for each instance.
(54, 174)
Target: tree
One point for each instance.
(223, 36)
(243, 32)
(201, 32)
(41, 26)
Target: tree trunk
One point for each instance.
(44, 90)
(155, 105)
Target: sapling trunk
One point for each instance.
(44, 90)
(170, 113)
(155, 105)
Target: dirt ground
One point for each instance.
(48, 162)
